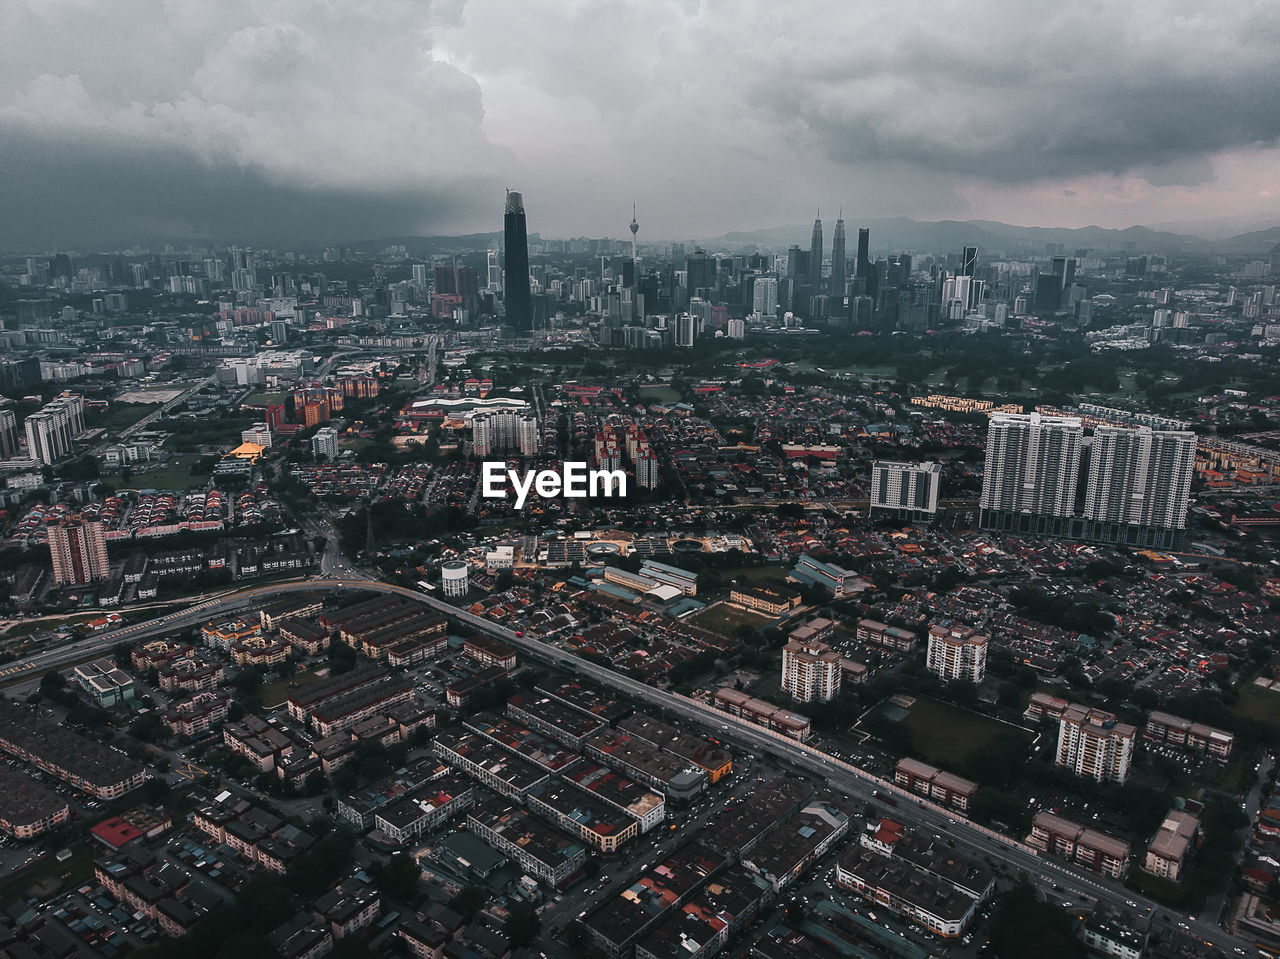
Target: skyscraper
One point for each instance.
(764, 295)
(519, 299)
(78, 552)
(700, 272)
(968, 268)
(863, 266)
(1139, 485)
(635, 228)
(839, 265)
(1031, 473)
(815, 254)
(8, 435)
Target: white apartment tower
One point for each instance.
(764, 295)
(1031, 471)
(1094, 744)
(1140, 477)
(811, 671)
(957, 653)
(905, 490)
(324, 444)
(503, 431)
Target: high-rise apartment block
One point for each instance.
(78, 551)
(957, 653)
(811, 671)
(905, 490)
(1139, 484)
(1031, 471)
(50, 432)
(1095, 744)
(1138, 481)
(499, 431)
(8, 435)
(324, 444)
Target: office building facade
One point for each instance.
(516, 287)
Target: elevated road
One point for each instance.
(1076, 885)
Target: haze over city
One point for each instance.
(281, 122)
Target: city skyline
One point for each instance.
(239, 118)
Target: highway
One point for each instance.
(1076, 885)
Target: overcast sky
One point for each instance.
(292, 121)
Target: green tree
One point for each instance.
(522, 925)
(1023, 927)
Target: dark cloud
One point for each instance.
(300, 120)
(69, 193)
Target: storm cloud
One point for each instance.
(284, 120)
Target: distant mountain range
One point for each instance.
(906, 235)
(994, 238)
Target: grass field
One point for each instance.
(176, 474)
(1260, 705)
(660, 394)
(263, 400)
(121, 415)
(278, 692)
(725, 619)
(79, 866)
(947, 734)
(753, 574)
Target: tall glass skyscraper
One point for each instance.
(519, 299)
(839, 265)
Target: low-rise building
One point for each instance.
(489, 763)
(1088, 847)
(104, 682)
(350, 907)
(1183, 734)
(89, 766)
(935, 886)
(1167, 853)
(27, 809)
(763, 713)
(425, 808)
(1115, 932)
(763, 599)
(489, 652)
(887, 637)
(712, 758)
(944, 788)
(579, 813)
(222, 635)
(537, 848)
(196, 716)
